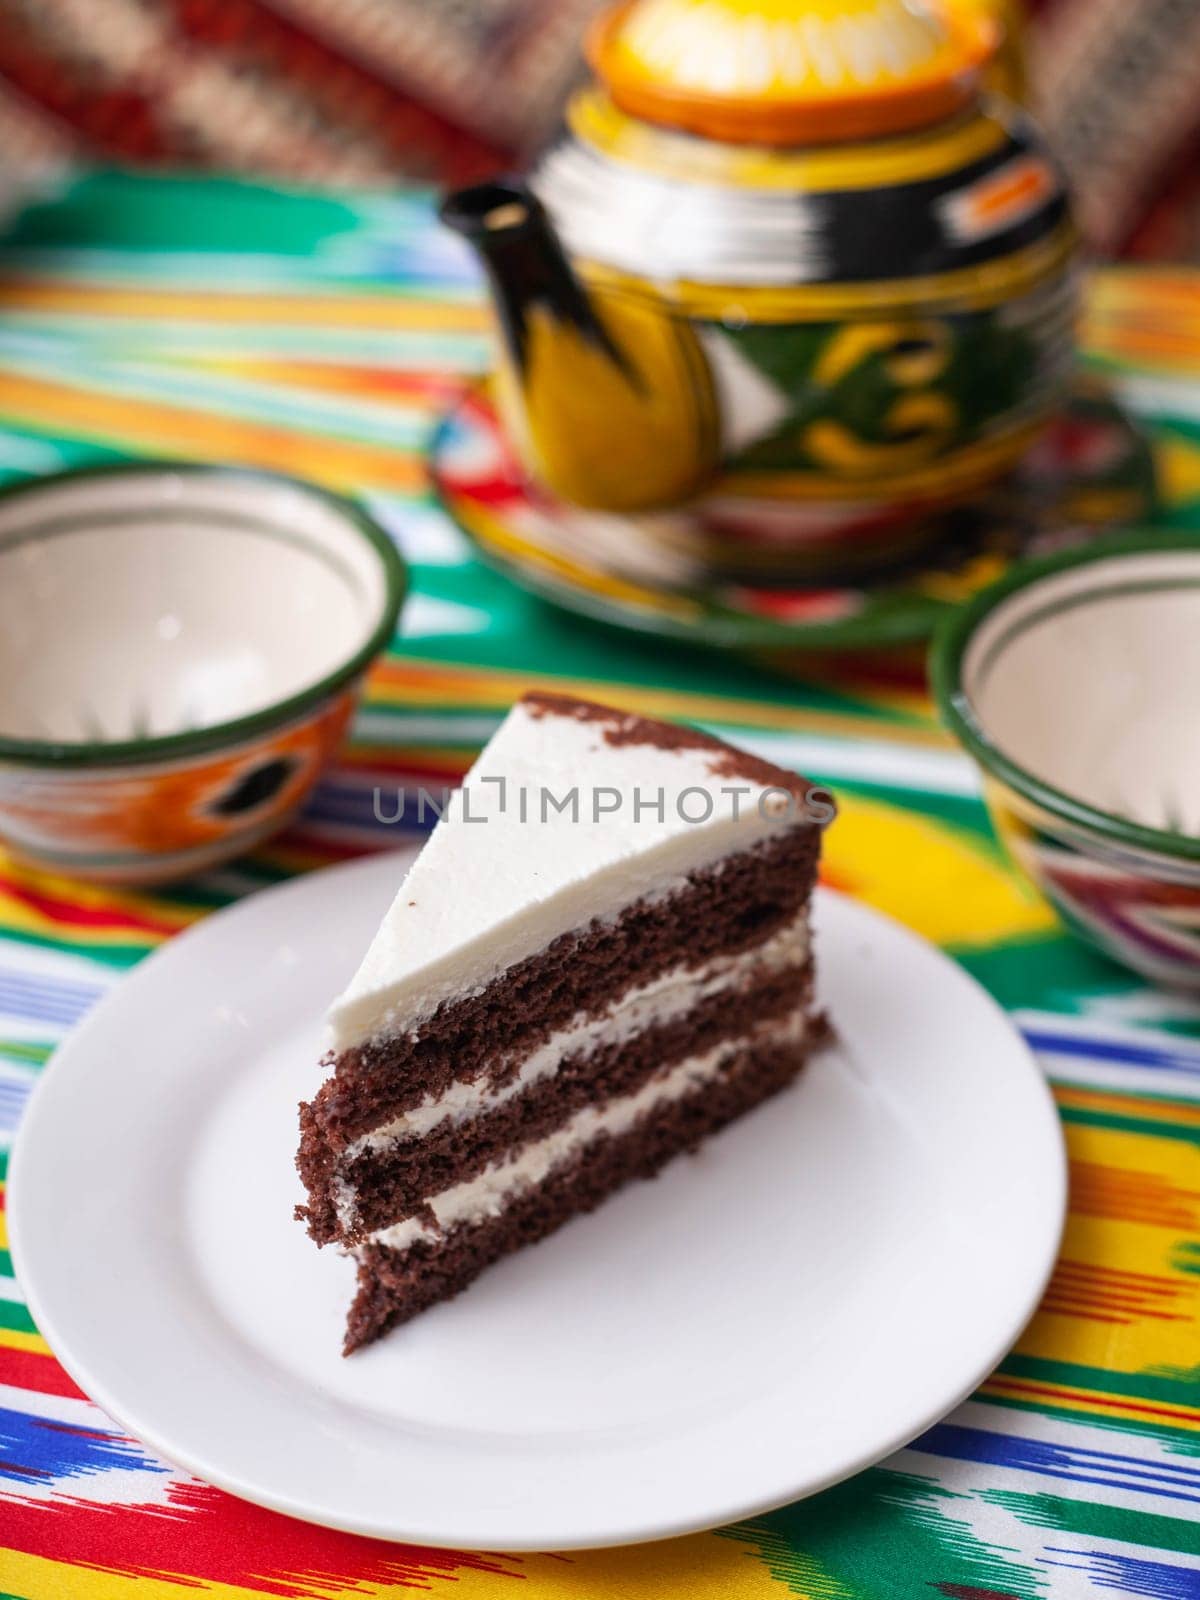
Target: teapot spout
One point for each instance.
(602, 400)
(510, 230)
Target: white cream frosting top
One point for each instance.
(555, 825)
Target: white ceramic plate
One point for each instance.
(819, 1284)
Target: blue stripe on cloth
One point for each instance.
(42, 999)
(14, 1093)
(399, 806)
(35, 1449)
(373, 832)
(1128, 1575)
(1070, 1463)
(1128, 1053)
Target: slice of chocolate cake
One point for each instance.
(601, 956)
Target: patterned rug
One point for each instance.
(361, 91)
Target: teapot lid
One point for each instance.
(791, 71)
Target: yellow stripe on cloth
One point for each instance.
(1178, 462)
(1118, 1300)
(406, 685)
(949, 885)
(144, 427)
(337, 310)
(34, 1344)
(1084, 1404)
(67, 910)
(1146, 318)
(62, 1580)
(679, 1569)
(1077, 1097)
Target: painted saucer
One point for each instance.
(677, 575)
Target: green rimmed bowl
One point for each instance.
(1075, 684)
(180, 650)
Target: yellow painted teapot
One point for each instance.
(786, 255)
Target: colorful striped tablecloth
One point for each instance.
(321, 336)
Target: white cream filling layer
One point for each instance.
(486, 1195)
(668, 996)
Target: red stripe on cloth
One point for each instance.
(69, 914)
(28, 1369)
(205, 1536)
(1121, 1403)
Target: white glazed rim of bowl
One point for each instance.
(950, 659)
(354, 521)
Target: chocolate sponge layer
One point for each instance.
(396, 1182)
(723, 910)
(394, 1286)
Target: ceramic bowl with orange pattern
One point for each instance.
(1073, 683)
(180, 651)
